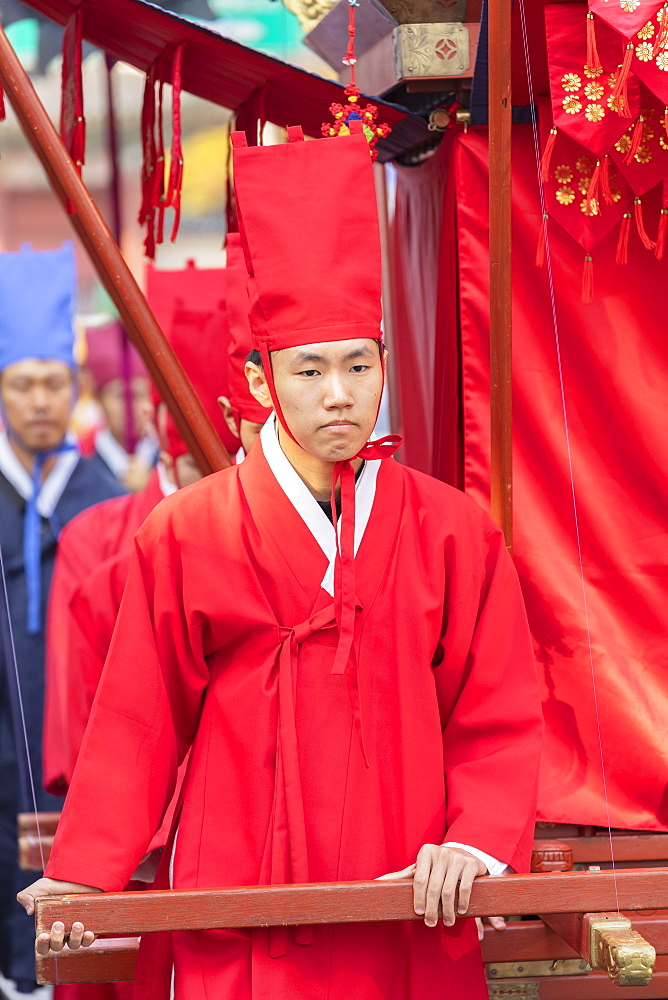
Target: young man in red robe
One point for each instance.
(356, 702)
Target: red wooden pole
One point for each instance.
(500, 265)
(347, 902)
(189, 414)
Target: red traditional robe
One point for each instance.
(225, 643)
(96, 535)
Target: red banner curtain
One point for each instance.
(614, 355)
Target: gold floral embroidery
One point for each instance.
(663, 142)
(662, 61)
(613, 103)
(644, 154)
(571, 105)
(589, 206)
(645, 52)
(593, 71)
(594, 113)
(623, 144)
(661, 14)
(628, 6)
(583, 185)
(616, 194)
(594, 91)
(647, 31)
(571, 81)
(585, 165)
(563, 173)
(565, 195)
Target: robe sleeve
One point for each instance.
(492, 721)
(143, 721)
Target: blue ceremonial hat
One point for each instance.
(37, 297)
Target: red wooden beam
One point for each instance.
(347, 902)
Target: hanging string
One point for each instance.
(622, 255)
(3, 113)
(26, 777)
(349, 58)
(569, 455)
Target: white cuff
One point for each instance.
(494, 867)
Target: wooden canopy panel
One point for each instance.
(219, 69)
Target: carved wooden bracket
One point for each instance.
(607, 941)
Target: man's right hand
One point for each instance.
(57, 939)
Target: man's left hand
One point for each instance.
(437, 874)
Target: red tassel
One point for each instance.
(591, 197)
(621, 91)
(593, 62)
(622, 256)
(176, 166)
(158, 186)
(149, 155)
(640, 224)
(588, 280)
(661, 35)
(665, 120)
(3, 113)
(606, 190)
(636, 139)
(541, 248)
(546, 158)
(661, 234)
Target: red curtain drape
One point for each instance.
(611, 696)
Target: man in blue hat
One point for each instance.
(44, 482)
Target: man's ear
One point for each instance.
(257, 383)
(228, 415)
(169, 467)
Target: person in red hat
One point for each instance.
(243, 415)
(111, 367)
(357, 692)
(95, 550)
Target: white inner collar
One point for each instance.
(53, 486)
(111, 452)
(307, 506)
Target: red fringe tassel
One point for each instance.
(176, 166)
(640, 224)
(636, 139)
(593, 62)
(541, 249)
(621, 91)
(622, 256)
(591, 198)
(3, 113)
(606, 191)
(588, 280)
(156, 195)
(546, 158)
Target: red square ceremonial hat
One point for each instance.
(309, 228)
(239, 343)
